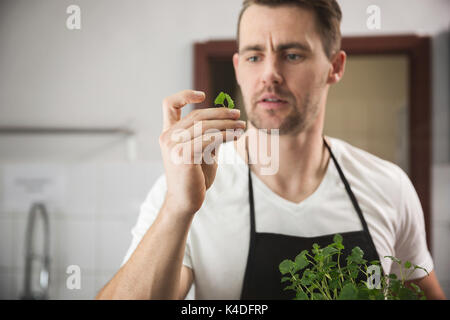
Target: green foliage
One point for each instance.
(220, 99)
(318, 275)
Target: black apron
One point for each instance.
(262, 278)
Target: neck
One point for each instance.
(302, 161)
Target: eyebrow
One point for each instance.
(280, 47)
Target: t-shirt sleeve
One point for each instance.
(411, 243)
(147, 215)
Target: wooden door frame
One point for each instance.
(418, 51)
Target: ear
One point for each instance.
(236, 67)
(337, 67)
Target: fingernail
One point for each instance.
(235, 111)
(241, 123)
(198, 93)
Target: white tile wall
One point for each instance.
(82, 191)
(115, 235)
(6, 252)
(17, 241)
(5, 283)
(114, 196)
(86, 291)
(2, 210)
(92, 229)
(75, 244)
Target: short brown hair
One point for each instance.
(328, 19)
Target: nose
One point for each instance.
(272, 73)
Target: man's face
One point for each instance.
(281, 68)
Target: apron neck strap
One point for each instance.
(341, 174)
(348, 188)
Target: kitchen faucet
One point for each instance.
(31, 256)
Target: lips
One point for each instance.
(271, 98)
(271, 101)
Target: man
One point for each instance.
(227, 228)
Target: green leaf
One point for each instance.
(286, 266)
(417, 267)
(346, 282)
(356, 255)
(416, 287)
(340, 246)
(318, 296)
(303, 253)
(290, 287)
(393, 276)
(308, 277)
(379, 295)
(320, 275)
(284, 279)
(406, 294)
(337, 238)
(394, 259)
(407, 264)
(220, 98)
(348, 292)
(376, 294)
(394, 285)
(363, 293)
(229, 101)
(300, 262)
(328, 251)
(330, 265)
(334, 284)
(301, 296)
(318, 257)
(354, 274)
(315, 248)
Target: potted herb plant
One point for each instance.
(319, 275)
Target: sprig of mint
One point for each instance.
(326, 279)
(220, 99)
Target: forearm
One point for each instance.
(430, 286)
(153, 270)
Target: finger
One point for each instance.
(206, 126)
(172, 105)
(206, 143)
(192, 151)
(207, 114)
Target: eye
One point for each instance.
(252, 58)
(293, 56)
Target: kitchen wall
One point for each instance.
(90, 228)
(114, 72)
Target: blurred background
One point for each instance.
(80, 116)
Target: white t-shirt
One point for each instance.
(218, 240)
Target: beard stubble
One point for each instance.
(296, 121)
